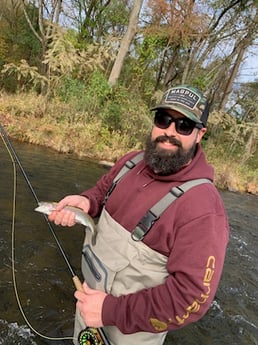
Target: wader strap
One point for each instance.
(131, 163)
(154, 213)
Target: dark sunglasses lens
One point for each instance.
(162, 120)
(184, 126)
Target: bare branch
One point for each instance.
(30, 23)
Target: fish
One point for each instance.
(81, 217)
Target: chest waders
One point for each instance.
(118, 262)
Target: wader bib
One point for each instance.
(129, 266)
(119, 263)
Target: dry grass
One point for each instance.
(56, 125)
(27, 118)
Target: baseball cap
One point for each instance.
(188, 101)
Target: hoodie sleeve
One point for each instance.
(194, 267)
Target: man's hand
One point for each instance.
(89, 303)
(66, 217)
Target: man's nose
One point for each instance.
(171, 130)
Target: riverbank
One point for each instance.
(65, 138)
(92, 141)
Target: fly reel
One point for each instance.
(92, 336)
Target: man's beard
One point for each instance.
(165, 161)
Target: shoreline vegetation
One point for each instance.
(27, 118)
(83, 84)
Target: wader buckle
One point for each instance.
(144, 226)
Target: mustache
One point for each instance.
(169, 139)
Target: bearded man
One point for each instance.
(156, 259)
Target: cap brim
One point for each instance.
(181, 110)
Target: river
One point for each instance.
(44, 284)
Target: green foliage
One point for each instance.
(96, 93)
(98, 86)
(71, 90)
(116, 14)
(122, 115)
(201, 81)
(65, 61)
(113, 107)
(68, 69)
(28, 46)
(140, 71)
(111, 116)
(98, 19)
(86, 99)
(17, 42)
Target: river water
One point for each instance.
(44, 285)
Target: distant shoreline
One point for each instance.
(56, 137)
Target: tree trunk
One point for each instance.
(125, 42)
(229, 84)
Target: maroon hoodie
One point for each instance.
(193, 233)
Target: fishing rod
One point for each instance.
(88, 336)
(76, 280)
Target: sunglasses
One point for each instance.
(183, 125)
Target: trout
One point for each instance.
(81, 217)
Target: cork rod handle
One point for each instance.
(77, 283)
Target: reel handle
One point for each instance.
(90, 336)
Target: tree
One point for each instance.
(95, 20)
(174, 26)
(88, 16)
(168, 42)
(217, 58)
(46, 19)
(194, 40)
(241, 49)
(126, 42)
(15, 34)
(17, 42)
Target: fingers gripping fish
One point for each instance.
(81, 217)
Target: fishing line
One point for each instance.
(14, 158)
